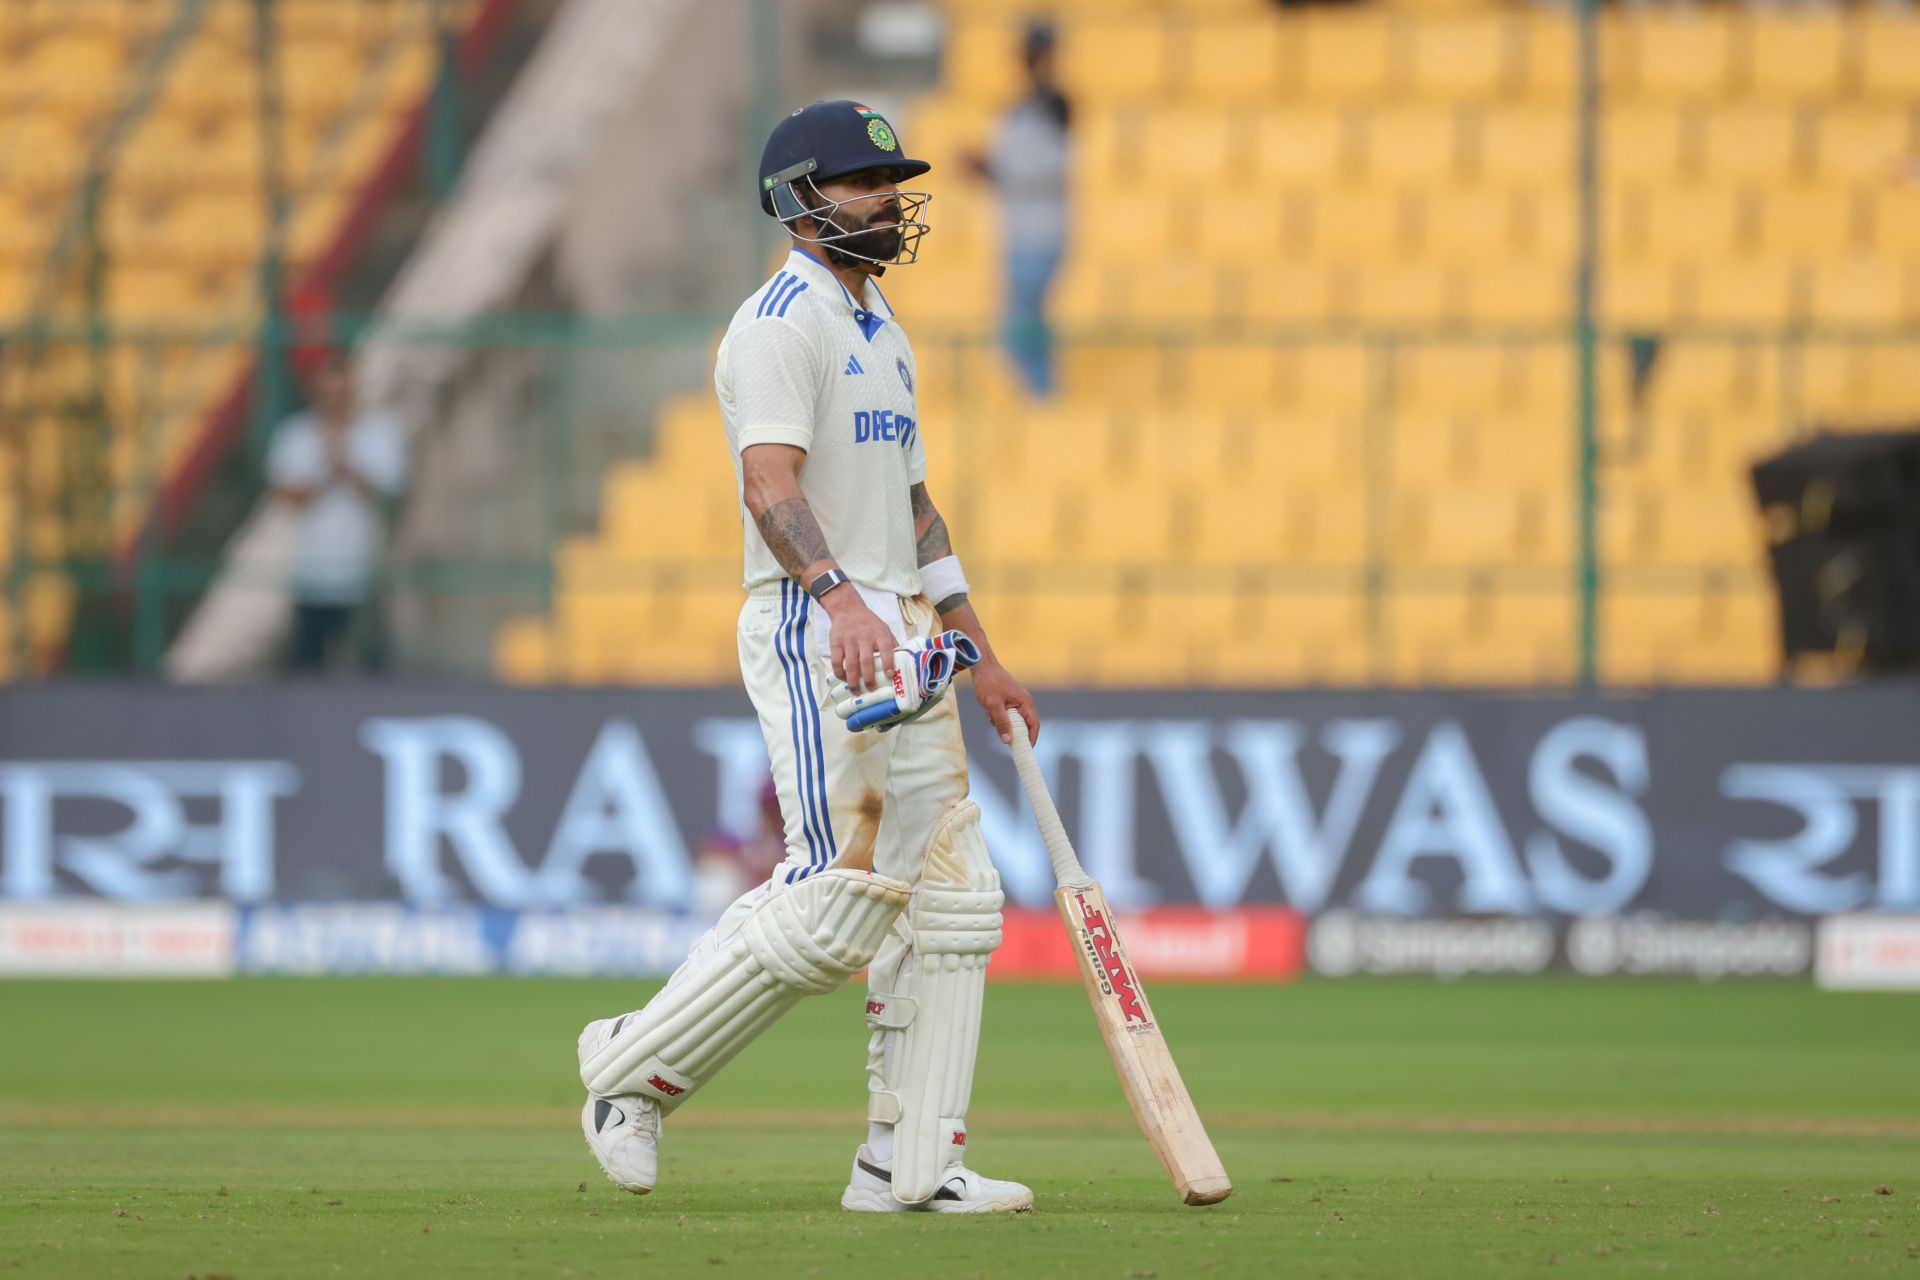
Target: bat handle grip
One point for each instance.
(1066, 864)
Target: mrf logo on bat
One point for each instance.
(1115, 979)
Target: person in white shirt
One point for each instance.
(1028, 167)
(858, 611)
(340, 466)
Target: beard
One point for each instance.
(881, 244)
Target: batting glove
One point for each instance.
(922, 670)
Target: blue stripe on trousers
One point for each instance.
(800, 761)
(813, 712)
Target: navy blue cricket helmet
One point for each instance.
(826, 140)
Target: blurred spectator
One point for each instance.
(340, 467)
(726, 865)
(1028, 166)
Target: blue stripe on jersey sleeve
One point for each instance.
(791, 295)
(780, 279)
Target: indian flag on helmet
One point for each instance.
(879, 132)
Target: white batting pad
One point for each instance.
(923, 1002)
(807, 940)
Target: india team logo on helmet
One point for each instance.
(823, 141)
(878, 129)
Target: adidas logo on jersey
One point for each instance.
(853, 366)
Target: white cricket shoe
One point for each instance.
(962, 1191)
(623, 1132)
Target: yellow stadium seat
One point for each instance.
(1304, 449)
(1548, 68)
(1863, 291)
(1445, 378)
(1103, 376)
(1306, 636)
(16, 285)
(1748, 293)
(1302, 145)
(1691, 223)
(1795, 54)
(1896, 224)
(1409, 293)
(1069, 440)
(1412, 145)
(1018, 521)
(1360, 224)
(1827, 383)
(1349, 54)
(1708, 526)
(1890, 54)
(1324, 527)
(1693, 376)
(1425, 450)
(1526, 145)
(1519, 293)
(1164, 290)
(1721, 635)
(1546, 390)
(1234, 60)
(1467, 222)
(1643, 635)
(1280, 293)
(1758, 143)
(1641, 294)
(1865, 143)
(1683, 55)
(76, 71)
(1241, 524)
(1893, 381)
(523, 652)
(1191, 146)
(1531, 638)
(1326, 378)
(1451, 526)
(1233, 376)
(1423, 628)
(1116, 59)
(1455, 59)
(320, 79)
(980, 62)
(1185, 447)
(1480, 636)
(1808, 223)
(1641, 143)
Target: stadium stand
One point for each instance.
(179, 226)
(1255, 502)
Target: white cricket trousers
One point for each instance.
(870, 799)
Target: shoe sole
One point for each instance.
(586, 1131)
(856, 1200)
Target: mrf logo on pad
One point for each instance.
(1118, 979)
(666, 1087)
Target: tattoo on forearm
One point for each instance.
(792, 534)
(932, 541)
(951, 603)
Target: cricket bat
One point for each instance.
(1140, 1054)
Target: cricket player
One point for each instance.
(856, 621)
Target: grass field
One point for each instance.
(407, 1128)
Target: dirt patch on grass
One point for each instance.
(531, 1118)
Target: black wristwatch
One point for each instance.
(826, 582)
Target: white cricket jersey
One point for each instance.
(804, 363)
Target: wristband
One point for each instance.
(826, 582)
(942, 578)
